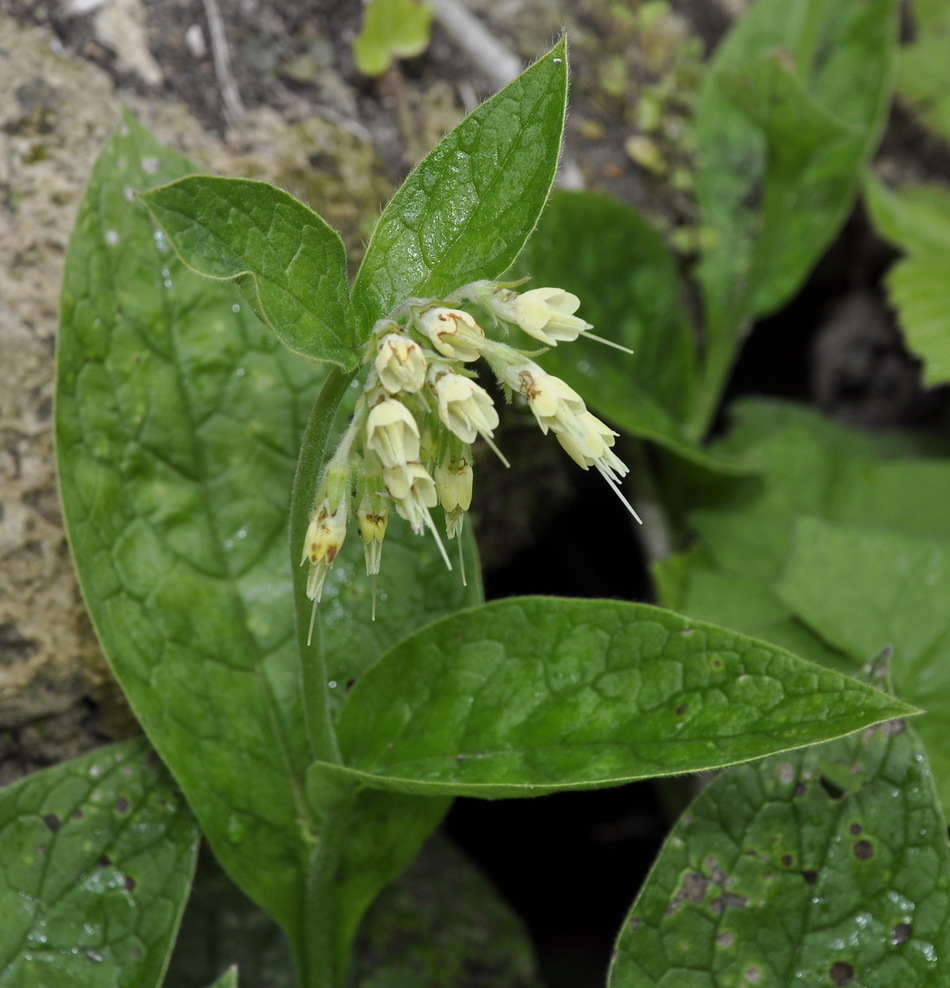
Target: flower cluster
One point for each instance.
(409, 443)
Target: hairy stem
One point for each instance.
(314, 451)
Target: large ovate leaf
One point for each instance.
(286, 261)
(794, 124)
(794, 103)
(178, 419)
(97, 856)
(466, 210)
(533, 695)
(865, 590)
(826, 866)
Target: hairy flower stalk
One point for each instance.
(408, 447)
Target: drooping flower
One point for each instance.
(454, 333)
(372, 520)
(392, 433)
(547, 314)
(400, 364)
(408, 445)
(552, 400)
(325, 535)
(588, 442)
(465, 407)
(558, 408)
(413, 492)
(453, 482)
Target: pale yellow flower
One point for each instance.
(325, 535)
(400, 364)
(465, 407)
(454, 333)
(392, 433)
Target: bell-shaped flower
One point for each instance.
(553, 401)
(588, 442)
(454, 333)
(400, 364)
(547, 314)
(392, 433)
(453, 482)
(465, 407)
(413, 492)
(325, 535)
(586, 439)
(372, 519)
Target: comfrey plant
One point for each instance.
(409, 441)
(213, 357)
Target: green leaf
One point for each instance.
(443, 924)
(919, 290)
(627, 280)
(221, 930)
(794, 124)
(813, 70)
(179, 543)
(178, 421)
(791, 108)
(923, 78)
(286, 261)
(227, 980)
(97, 856)
(391, 29)
(467, 209)
(808, 465)
(864, 590)
(378, 834)
(915, 218)
(533, 695)
(818, 867)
